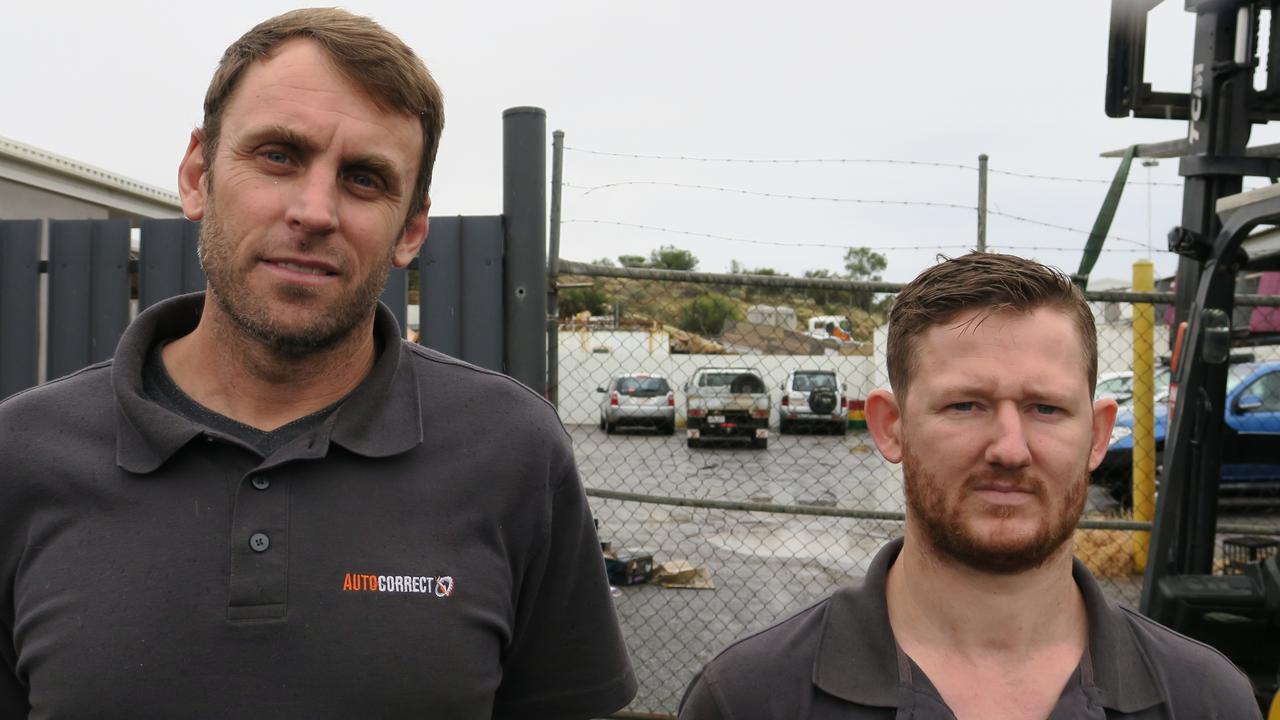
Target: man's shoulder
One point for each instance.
(78, 390)
(448, 382)
(471, 378)
(787, 648)
(1194, 673)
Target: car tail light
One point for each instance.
(844, 403)
(759, 413)
(613, 399)
(786, 401)
(671, 399)
(696, 412)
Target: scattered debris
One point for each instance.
(682, 574)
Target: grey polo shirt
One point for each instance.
(425, 551)
(838, 659)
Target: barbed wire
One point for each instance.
(852, 161)
(837, 246)
(861, 201)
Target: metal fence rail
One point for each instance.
(750, 535)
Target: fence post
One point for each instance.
(1144, 444)
(524, 278)
(19, 298)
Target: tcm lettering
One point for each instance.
(441, 586)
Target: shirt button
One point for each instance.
(259, 542)
(260, 482)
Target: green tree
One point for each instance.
(864, 264)
(706, 314)
(592, 299)
(631, 260)
(670, 257)
(607, 262)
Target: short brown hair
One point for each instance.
(364, 52)
(981, 281)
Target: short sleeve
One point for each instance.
(698, 702)
(566, 658)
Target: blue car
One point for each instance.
(1251, 438)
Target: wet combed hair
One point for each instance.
(991, 283)
(364, 52)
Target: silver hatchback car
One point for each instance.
(638, 399)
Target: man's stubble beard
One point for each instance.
(944, 527)
(252, 314)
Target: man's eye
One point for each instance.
(365, 180)
(1046, 410)
(962, 406)
(275, 156)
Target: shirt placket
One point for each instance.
(259, 539)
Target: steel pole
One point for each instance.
(982, 202)
(553, 270)
(524, 214)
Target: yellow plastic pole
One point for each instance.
(1144, 442)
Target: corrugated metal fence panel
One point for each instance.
(88, 291)
(460, 273)
(19, 305)
(440, 286)
(168, 264)
(395, 294)
(482, 333)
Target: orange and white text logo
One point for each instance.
(440, 586)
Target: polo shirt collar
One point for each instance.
(1122, 672)
(857, 654)
(380, 418)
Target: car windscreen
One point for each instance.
(805, 382)
(643, 387)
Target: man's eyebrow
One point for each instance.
(278, 134)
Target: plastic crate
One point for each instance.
(1237, 552)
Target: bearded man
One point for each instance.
(268, 505)
(980, 611)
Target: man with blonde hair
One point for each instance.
(979, 611)
(268, 504)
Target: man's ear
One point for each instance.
(884, 421)
(411, 239)
(1104, 417)
(191, 178)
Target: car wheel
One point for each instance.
(601, 422)
(760, 443)
(609, 428)
(784, 427)
(842, 428)
(694, 443)
(669, 428)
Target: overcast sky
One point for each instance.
(119, 85)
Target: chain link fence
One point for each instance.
(717, 423)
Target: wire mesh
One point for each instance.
(748, 524)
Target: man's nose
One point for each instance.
(313, 208)
(1008, 445)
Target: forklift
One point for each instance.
(1223, 232)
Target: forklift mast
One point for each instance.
(1239, 614)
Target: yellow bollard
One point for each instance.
(1144, 443)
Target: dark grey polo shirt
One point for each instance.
(426, 551)
(838, 659)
